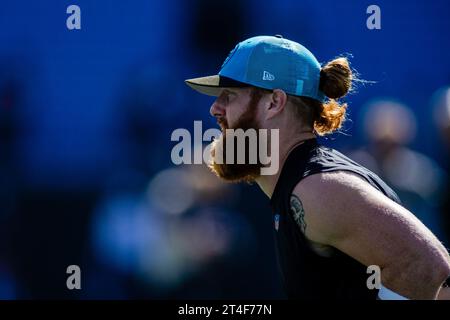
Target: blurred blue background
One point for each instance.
(86, 116)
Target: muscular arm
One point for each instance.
(343, 211)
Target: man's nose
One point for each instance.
(216, 110)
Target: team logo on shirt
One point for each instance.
(276, 219)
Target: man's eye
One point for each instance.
(230, 97)
(227, 97)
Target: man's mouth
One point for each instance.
(222, 124)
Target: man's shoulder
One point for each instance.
(328, 180)
(332, 199)
(326, 189)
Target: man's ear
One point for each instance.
(277, 103)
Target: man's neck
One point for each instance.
(267, 183)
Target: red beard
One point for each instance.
(235, 172)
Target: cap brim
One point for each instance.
(207, 85)
(212, 85)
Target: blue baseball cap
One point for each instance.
(269, 62)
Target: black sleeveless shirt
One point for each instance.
(306, 274)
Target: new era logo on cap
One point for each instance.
(268, 76)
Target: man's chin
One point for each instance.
(235, 173)
(232, 172)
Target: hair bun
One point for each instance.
(336, 78)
